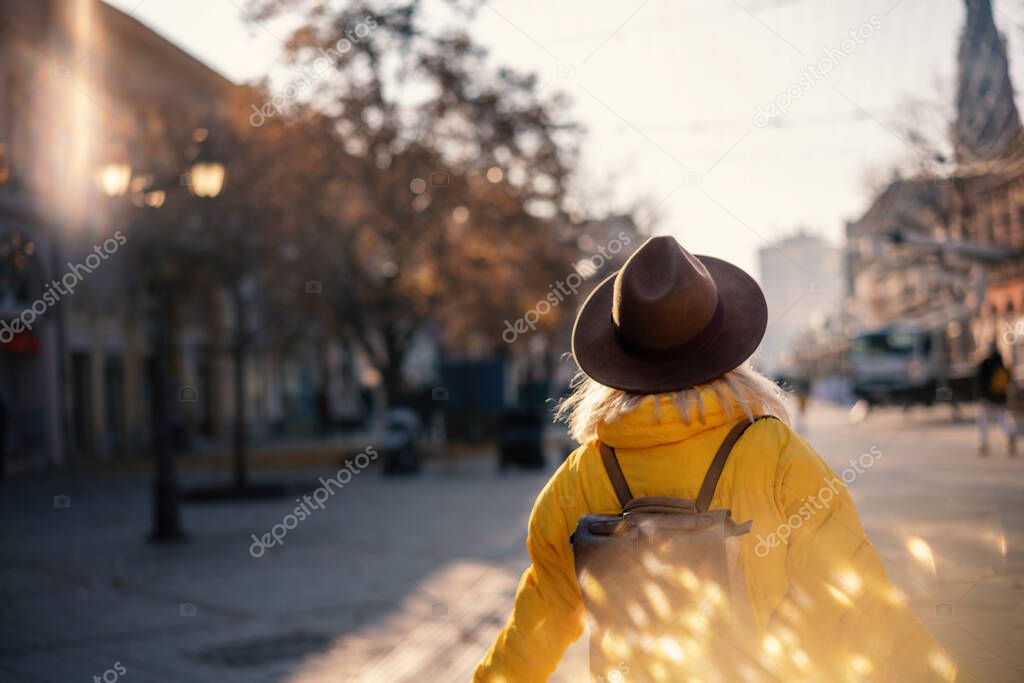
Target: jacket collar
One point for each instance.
(657, 421)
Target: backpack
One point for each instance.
(999, 381)
(661, 583)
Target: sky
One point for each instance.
(683, 102)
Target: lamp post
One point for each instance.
(113, 180)
(205, 180)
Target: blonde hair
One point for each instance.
(589, 403)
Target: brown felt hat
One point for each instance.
(668, 320)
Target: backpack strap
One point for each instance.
(615, 475)
(707, 489)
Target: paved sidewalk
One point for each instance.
(410, 579)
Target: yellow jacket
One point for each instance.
(822, 604)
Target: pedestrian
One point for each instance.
(688, 563)
(993, 384)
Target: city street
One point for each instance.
(410, 579)
(289, 290)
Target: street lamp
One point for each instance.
(205, 173)
(207, 178)
(113, 179)
(154, 200)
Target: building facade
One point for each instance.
(801, 279)
(945, 249)
(86, 94)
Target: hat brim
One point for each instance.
(600, 355)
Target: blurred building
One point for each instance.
(800, 275)
(944, 250)
(82, 84)
(989, 207)
(988, 187)
(84, 91)
(988, 125)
